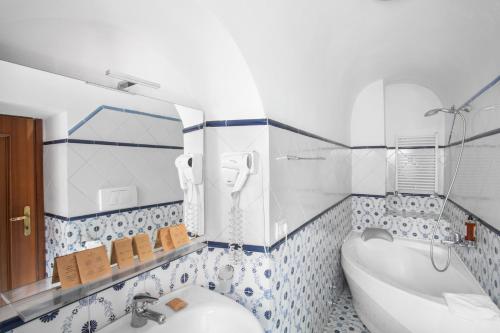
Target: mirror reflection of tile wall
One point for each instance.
(111, 148)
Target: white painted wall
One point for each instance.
(405, 105)
(368, 129)
(299, 62)
(189, 116)
(380, 113)
(368, 118)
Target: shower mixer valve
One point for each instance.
(456, 239)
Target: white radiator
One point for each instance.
(417, 164)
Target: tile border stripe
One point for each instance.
(369, 147)
(302, 132)
(193, 128)
(270, 122)
(476, 137)
(480, 92)
(477, 218)
(311, 220)
(109, 212)
(112, 108)
(110, 143)
(269, 249)
(236, 122)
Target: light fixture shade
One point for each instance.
(132, 79)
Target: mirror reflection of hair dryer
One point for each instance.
(190, 170)
(236, 168)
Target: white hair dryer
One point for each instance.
(190, 167)
(236, 167)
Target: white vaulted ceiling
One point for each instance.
(301, 62)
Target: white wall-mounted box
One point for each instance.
(117, 198)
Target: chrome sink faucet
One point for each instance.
(456, 239)
(140, 312)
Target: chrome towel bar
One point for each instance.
(298, 158)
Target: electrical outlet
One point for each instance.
(281, 229)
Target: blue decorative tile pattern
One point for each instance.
(483, 261)
(96, 311)
(343, 317)
(252, 282)
(406, 216)
(308, 273)
(288, 290)
(67, 236)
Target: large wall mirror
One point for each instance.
(83, 164)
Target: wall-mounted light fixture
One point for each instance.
(128, 81)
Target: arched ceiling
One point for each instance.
(298, 61)
(178, 44)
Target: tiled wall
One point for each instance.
(301, 189)
(484, 260)
(369, 170)
(111, 147)
(64, 236)
(408, 216)
(287, 287)
(95, 312)
(477, 188)
(308, 273)
(254, 197)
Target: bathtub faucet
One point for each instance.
(456, 239)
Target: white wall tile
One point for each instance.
(254, 196)
(93, 167)
(117, 126)
(369, 171)
(302, 189)
(55, 175)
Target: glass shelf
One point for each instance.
(34, 300)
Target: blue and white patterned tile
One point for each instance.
(308, 272)
(74, 318)
(343, 317)
(64, 237)
(414, 203)
(404, 215)
(484, 260)
(252, 282)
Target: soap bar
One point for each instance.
(177, 304)
(179, 235)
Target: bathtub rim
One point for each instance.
(456, 260)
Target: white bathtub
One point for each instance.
(395, 289)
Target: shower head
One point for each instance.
(436, 111)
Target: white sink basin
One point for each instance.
(206, 312)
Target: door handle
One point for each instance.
(26, 218)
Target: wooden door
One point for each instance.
(22, 256)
